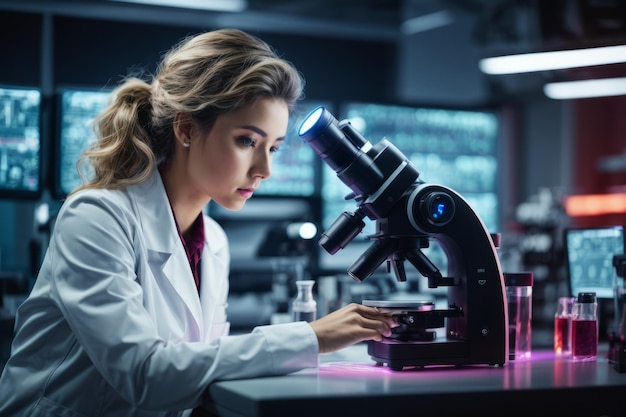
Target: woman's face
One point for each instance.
(228, 163)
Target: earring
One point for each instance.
(186, 144)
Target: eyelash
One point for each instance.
(251, 143)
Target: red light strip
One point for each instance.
(595, 204)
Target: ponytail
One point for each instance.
(123, 154)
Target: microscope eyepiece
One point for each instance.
(343, 149)
(310, 123)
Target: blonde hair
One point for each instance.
(205, 76)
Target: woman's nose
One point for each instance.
(263, 166)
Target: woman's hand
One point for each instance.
(351, 324)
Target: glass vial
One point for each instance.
(584, 328)
(519, 292)
(562, 324)
(304, 306)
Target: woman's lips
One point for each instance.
(245, 192)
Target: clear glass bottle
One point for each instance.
(584, 328)
(562, 324)
(304, 306)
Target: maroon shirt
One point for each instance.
(194, 246)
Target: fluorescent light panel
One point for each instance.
(586, 88)
(545, 61)
(212, 5)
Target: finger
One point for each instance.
(373, 312)
(381, 315)
(382, 327)
(364, 334)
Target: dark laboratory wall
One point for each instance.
(100, 52)
(338, 69)
(598, 131)
(442, 75)
(20, 48)
(20, 64)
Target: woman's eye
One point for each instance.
(274, 149)
(246, 141)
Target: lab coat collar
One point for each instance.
(164, 244)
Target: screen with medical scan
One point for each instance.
(20, 146)
(589, 257)
(78, 108)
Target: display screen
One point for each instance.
(20, 153)
(454, 148)
(294, 165)
(77, 111)
(589, 256)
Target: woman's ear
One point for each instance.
(183, 128)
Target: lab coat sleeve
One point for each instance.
(97, 246)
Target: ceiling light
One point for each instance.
(212, 5)
(586, 88)
(545, 61)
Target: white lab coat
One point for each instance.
(114, 325)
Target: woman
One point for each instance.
(127, 316)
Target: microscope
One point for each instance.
(408, 214)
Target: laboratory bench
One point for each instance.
(349, 382)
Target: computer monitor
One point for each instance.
(77, 109)
(589, 259)
(20, 146)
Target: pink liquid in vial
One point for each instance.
(584, 339)
(561, 335)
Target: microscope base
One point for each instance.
(400, 354)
